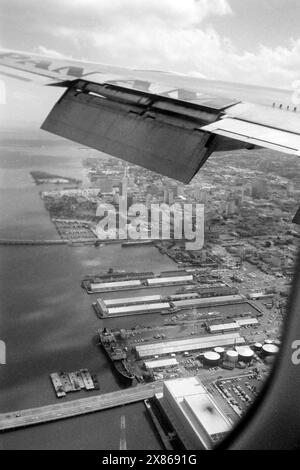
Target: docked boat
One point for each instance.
(116, 355)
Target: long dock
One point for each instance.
(68, 409)
(33, 242)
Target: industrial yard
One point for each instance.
(201, 324)
(204, 328)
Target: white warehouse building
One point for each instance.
(103, 286)
(170, 280)
(160, 363)
(193, 413)
(132, 300)
(188, 344)
(141, 308)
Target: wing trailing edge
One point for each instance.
(153, 131)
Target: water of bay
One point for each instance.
(47, 320)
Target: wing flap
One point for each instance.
(145, 129)
(256, 134)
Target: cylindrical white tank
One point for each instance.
(220, 351)
(232, 356)
(258, 346)
(270, 349)
(211, 358)
(269, 341)
(246, 354)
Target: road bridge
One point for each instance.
(68, 409)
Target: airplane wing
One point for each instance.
(154, 120)
(262, 126)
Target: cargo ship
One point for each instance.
(116, 355)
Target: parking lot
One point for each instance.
(240, 392)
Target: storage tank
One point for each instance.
(246, 354)
(232, 356)
(220, 351)
(258, 346)
(269, 341)
(211, 358)
(270, 349)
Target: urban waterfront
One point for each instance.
(149, 228)
(48, 323)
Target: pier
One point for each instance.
(68, 409)
(32, 242)
(70, 242)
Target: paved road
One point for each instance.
(82, 406)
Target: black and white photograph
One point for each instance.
(149, 227)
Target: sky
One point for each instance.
(249, 41)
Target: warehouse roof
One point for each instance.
(104, 285)
(197, 406)
(138, 308)
(247, 321)
(224, 327)
(206, 414)
(169, 280)
(132, 300)
(168, 362)
(190, 344)
(211, 300)
(179, 387)
(192, 295)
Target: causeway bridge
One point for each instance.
(67, 409)
(32, 242)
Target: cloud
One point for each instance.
(172, 35)
(51, 53)
(279, 66)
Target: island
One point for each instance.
(42, 177)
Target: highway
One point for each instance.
(68, 409)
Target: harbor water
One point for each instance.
(47, 320)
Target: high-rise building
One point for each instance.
(123, 186)
(149, 199)
(168, 196)
(201, 195)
